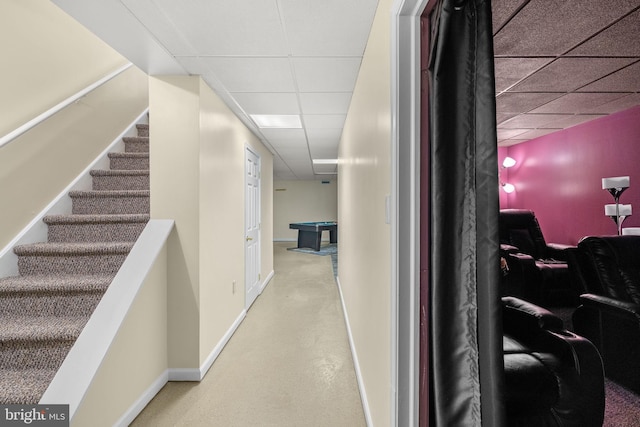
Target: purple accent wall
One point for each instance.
(558, 176)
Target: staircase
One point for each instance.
(60, 282)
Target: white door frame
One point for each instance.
(405, 215)
(252, 230)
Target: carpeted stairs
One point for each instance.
(43, 310)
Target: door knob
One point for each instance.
(249, 238)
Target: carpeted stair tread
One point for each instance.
(68, 249)
(38, 329)
(109, 193)
(55, 283)
(136, 139)
(119, 172)
(95, 219)
(44, 309)
(143, 129)
(126, 155)
(24, 386)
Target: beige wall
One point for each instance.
(197, 178)
(137, 357)
(54, 59)
(364, 247)
(296, 201)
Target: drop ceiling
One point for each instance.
(558, 63)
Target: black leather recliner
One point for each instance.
(538, 271)
(552, 376)
(608, 270)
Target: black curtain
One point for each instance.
(466, 359)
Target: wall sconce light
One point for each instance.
(617, 212)
(507, 163)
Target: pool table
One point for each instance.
(310, 233)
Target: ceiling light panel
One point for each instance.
(240, 74)
(267, 103)
(326, 74)
(228, 27)
(277, 121)
(328, 27)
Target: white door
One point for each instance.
(252, 228)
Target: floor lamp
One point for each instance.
(617, 212)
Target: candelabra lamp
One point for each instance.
(617, 212)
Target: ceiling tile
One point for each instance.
(325, 103)
(531, 121)
(509, 71)
(568, 74)
(157, 22)
(615, 40)
(569, 121)
(522, 102)
(502, 10)
(620, 104)
(285, 138)
(319, 136)
(544, 28)
(267, 103)
(509, 133)
(242, 75)
(536, 133)
(326, 74)
(501, 117)
(577, 103)
(625, 80)
(510, 142)
(328, 27)
(324, 152)
(324, 121)
(225, 27)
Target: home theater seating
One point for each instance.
(607, 269)
(552, 376)
(538, 271)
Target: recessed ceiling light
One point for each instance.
(325, 161)
(278, 121)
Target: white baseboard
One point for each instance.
(36, 230)
(221, 344)
(356, 363)
(197, 374)
(146, 397)
(266, 281)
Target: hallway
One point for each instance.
(288, 364)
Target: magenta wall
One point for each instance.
(558, 176)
